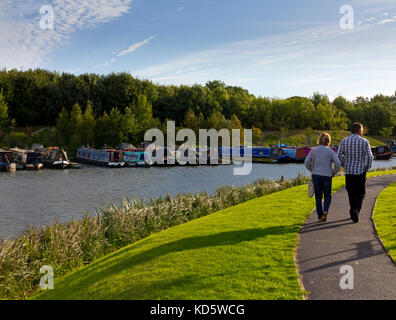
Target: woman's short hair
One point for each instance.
(324, 139)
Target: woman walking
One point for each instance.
(320, 162)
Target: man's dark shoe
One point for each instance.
(354, 215)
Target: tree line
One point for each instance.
(116, 107)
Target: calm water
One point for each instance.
(36, 198)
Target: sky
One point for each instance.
(273, 48)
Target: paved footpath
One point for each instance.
(324, 248)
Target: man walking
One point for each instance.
(356, 158)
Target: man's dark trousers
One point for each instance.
(356, 187)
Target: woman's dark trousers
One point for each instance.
(322, 186)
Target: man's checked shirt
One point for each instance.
(355, 155)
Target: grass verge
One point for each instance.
(243, 252)
(385, 218)
(298, 137)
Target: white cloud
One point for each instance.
(24, 45)
(385, 21)
(132, 48)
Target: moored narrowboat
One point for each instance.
(290, 151)
(104, 157)
(382, 153)
(190, 156)
(262, 154)
(302, 153)
(164, 156)
(392, 147)
(27, 159)
(211, 157)
(7, 163)
(258, 154)
(232, 153)
(55, 158)
(137, 158)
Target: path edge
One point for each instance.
(305, 294)
(376, 231)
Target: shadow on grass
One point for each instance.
(100, 271)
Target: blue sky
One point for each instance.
(272, 48)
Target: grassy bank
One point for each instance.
(243, 252)
(298, 137)
(69, 246)
(385, 218)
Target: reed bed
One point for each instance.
(67, 246)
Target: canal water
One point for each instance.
(30, 198)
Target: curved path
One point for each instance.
(324, 248)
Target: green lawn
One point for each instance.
(385, 218)
(244, 252)
(298, 137)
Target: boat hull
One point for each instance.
(74, 165)
(382, 153)
(57, 164)
(11, 167)
(36, 166)
(383, 156)
(8, 167)
(101, 163)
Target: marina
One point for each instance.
(127, 156)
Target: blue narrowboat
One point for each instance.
(269, 155)
(104, 157)
(231, 152)
(137, 158)
(210, 156)
(259, 154)
(392, 147)
(290, 151)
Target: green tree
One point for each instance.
(63, 130)
(218, 121)
(142, 120)
(5, 121)
(88, 125)
(130, 130)
(235, 123)
(102, 131)
(319, 98)
(76, 125)
(191, 121)
(386, 132)
(257, 135)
